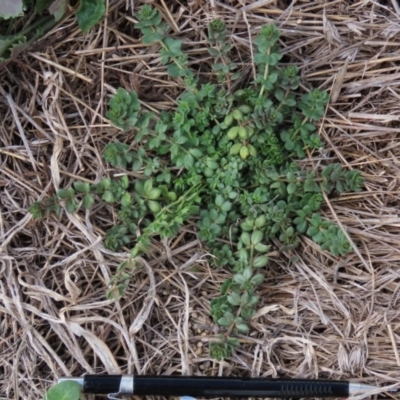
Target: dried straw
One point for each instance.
(320, 316)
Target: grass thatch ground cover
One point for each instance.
(320, 316)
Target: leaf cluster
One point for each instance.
(154, 30)
(220, 47)
(124, 107)
(38, 17)
(226, 158)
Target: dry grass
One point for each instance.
(320, 316)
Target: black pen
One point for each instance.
(202, 386)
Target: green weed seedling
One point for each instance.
(236, 152)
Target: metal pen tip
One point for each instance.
(358, 387)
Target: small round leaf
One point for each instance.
(87, 201)
(67, 390)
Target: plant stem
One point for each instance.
(265, 74)
(298, 129)
(225, 63)
(251, 254)
(284, 98)
(165, 47)
(232, 325)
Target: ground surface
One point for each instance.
(320, 316)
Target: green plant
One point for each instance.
(220, 49)
(41, 16)
(67, 390)
(227, 157)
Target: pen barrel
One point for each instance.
(237, 387)
(102, 384)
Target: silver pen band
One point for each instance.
(127, 384)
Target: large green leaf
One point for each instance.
(67, 390)
(89, 13)
(58, 8)
(10, 8)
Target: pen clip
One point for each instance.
(111, 396)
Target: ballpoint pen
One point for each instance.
(202, 386)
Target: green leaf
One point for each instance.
(234, 299)
(219, 200)
(125, 181)
(82, 187)
(148, 186)
(247, 225)
(89, 13)
(154, 194)
(154, 206)
(233, 341)
(87, 201)
(71, 205)
(213, 52)
(106, 183)
(242, 327)
(273, 60)
(247, 273)
(245, 238)
(238, 278)
(196, 153)
(218, 67)
(262, 248)
(245, 298)
(65, 193)
(291, 188)
(236, 75)
(227, 319)
(257, 279)
(108, 196)
(36, 210)
(302, 227)
(11, 8)
(275, 185)
(260, 221)
(220, 351)
(227, 206)
(174, 46)
(11, 45)
(256, 237)
(253, 300)
(318, 238)
(188, 161)
(151, 37)
(225, 286)
(173, 70)
(67, 390)
(260, 262)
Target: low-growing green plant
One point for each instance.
(226, 158)
(41, 16)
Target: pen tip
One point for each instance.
(357, 387)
